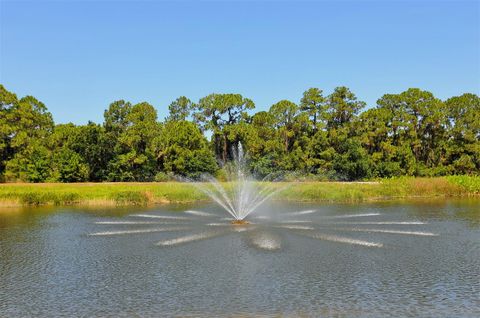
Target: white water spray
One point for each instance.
(242, 194)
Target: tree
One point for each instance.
(218, 113)
(374, 127)
(341, 116)
(30, 124)
(8, 103)
(284, 113)
(116, 117)
(352, 162)
(463, 150)
(180, 109)
(410, 133)
(334, 152)
(134, 159)
(30, 120)
(182, 149)
(292, 128)
(32, 164)
(320, 154)
(89, 142)
(313, 103)
(69, 166)
(264, 146)
(342, 107)
(418, 120)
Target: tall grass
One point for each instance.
(114, 194)
(384, 189)
(57, 198)
(98, 193)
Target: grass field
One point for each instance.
(111, 194)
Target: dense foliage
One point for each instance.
(323, 136)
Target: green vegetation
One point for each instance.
(97, 193)
(469, 184)
(324, 137)
(105, 194)
(385, 189)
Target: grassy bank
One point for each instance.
(111, 194)
(386, 189)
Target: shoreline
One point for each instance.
(150, 193)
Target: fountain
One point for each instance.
(239, 222)
(242, 194)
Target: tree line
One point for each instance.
(323, 136)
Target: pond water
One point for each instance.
(413, 259)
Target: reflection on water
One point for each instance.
(342, 260)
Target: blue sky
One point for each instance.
(78, 56)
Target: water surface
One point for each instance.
(413, 259)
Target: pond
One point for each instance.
(410, 258)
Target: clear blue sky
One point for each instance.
(78, 56)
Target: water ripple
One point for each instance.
(166, 229)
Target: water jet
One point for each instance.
(242, 194)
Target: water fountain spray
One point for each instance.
(242, 194)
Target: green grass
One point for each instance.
(112, 194)
(470, 184)
(97, 193)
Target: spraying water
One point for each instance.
(242, 194)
